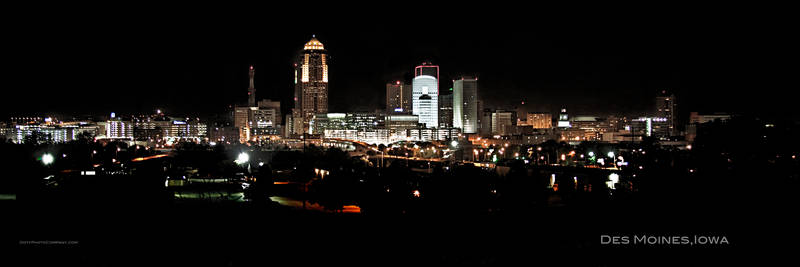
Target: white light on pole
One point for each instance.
(243, 158)
(47, 159)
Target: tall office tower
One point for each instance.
(446, 110)
(398, 98)
(425, 100)
(665, 108)
(311, 84)
(251, 91)
(465, 104)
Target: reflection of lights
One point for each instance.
(47, 159)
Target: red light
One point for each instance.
(251, 67)
(398, 82)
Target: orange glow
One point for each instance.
(150, 157)
(351, 209)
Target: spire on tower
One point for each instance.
(251, 92)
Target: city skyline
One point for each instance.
(414, 134)
(617, 71)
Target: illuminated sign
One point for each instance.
(178, 122)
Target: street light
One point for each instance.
(47, 159)
(243, 158)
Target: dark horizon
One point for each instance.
(587, 66)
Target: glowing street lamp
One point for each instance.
(242, 158)
(47, 159)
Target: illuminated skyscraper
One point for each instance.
(311, 84)
(465, 104)
(425, 100)
(251, 91)
(398, 98)
(665, 108)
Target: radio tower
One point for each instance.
(251, 92)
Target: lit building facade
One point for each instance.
(465, 104)
(425, 100)
(540, 120)
(563, 119)
(446, 110)
(311, 85)
(665, 108)
(502, 122)
(398, 98)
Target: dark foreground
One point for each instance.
(149, 234)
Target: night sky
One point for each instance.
(592, 65)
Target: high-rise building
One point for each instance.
(502, 122)
(465, 104)
(251, 91)
(425, 100)
(446, 110)
(398, 98)
(665, 108)
(311, 84)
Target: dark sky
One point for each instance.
(197, 65)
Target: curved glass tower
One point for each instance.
(425, 100)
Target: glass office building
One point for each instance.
(425, 100)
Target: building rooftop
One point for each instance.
(313, 44)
